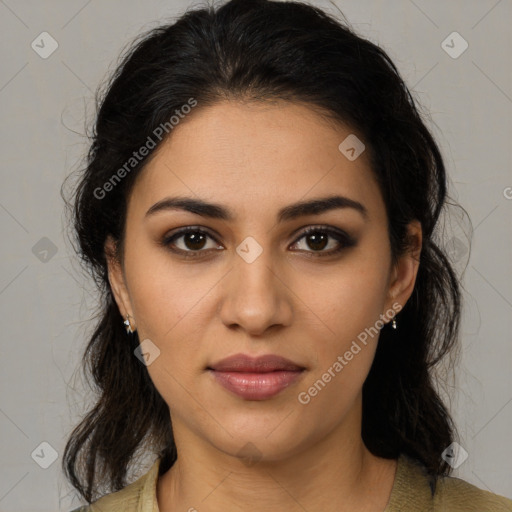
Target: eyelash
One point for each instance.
(345, 240)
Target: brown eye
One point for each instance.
(189, 241)
(317, 239)
(194, 241)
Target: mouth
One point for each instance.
(258, 378)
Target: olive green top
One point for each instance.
(412, 492)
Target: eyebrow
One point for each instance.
(290, 212)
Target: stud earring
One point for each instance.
(128, 326)
(393, 324)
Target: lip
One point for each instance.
(257, 378)
(261, 364)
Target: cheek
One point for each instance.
(172, 304)
(343, 352)
(164, 294)
(342, 320)
(344, 302)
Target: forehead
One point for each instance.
(256, 153)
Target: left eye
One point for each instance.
(318, 239)
(193, 241)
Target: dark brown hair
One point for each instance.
(258, 50)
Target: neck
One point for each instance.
(334, 473)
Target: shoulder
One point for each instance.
(415, 490)
(456, 494)
(126, 499)
(139, 495)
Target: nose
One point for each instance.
(255, 297)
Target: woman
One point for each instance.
(259, 209)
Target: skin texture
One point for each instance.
(254, 159)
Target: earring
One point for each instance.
(393, 323)
(128, 325)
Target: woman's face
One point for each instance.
(254, 283)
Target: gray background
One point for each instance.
(45, 303)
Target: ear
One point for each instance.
(403, 275)
(117, 280)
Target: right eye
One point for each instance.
(193, 242)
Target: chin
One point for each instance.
(267, 441)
